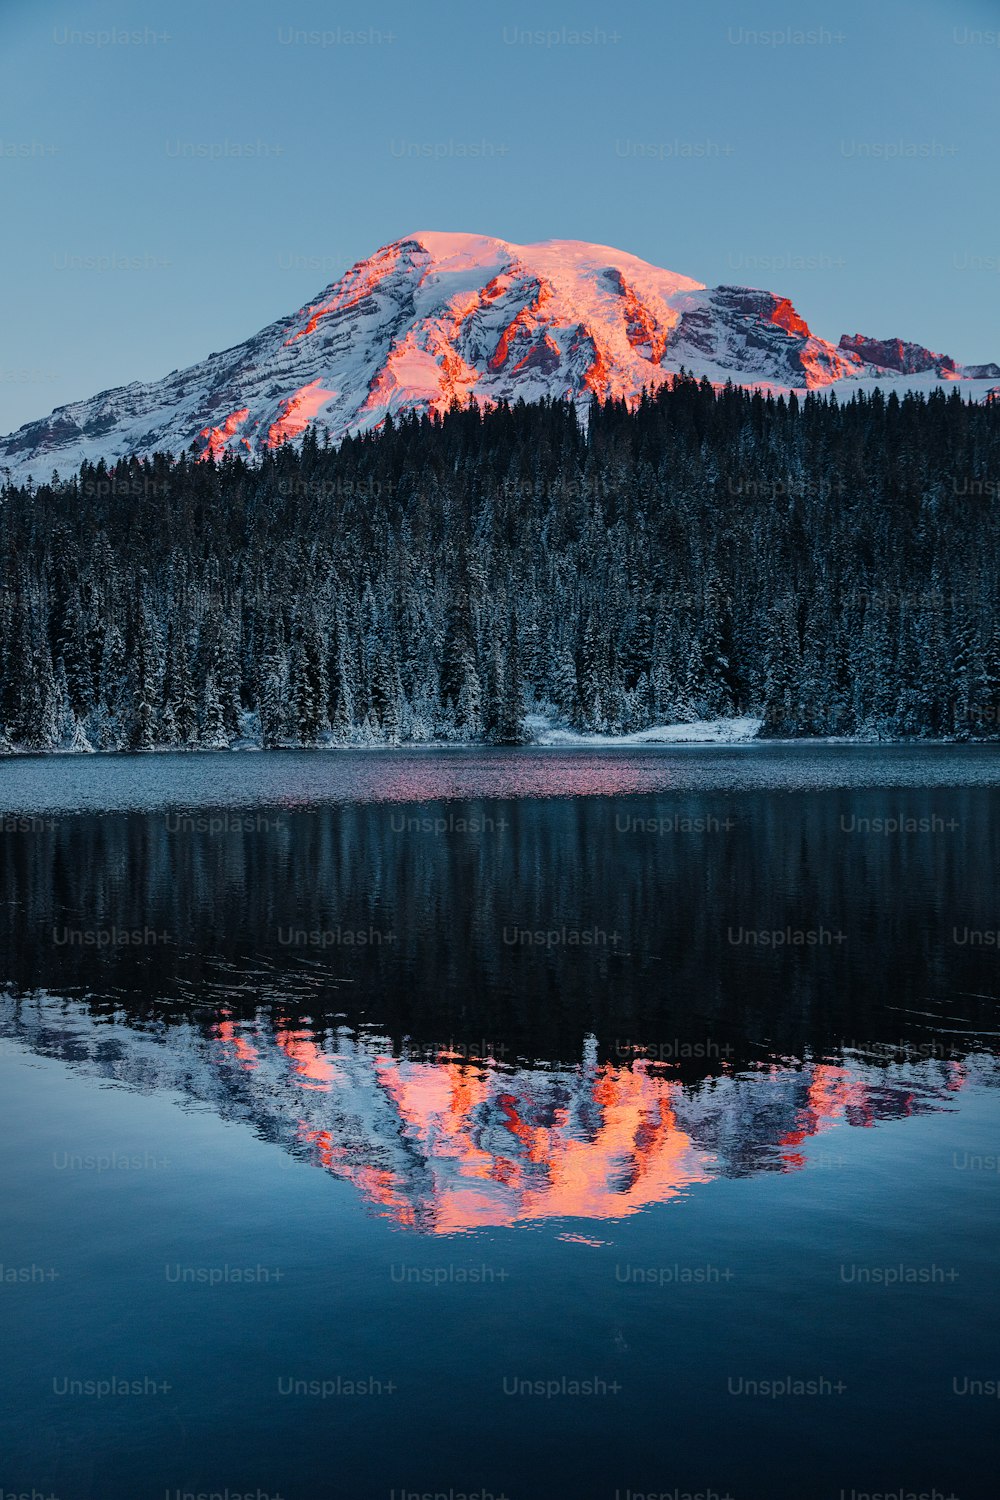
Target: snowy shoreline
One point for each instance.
(738, 731)
(543, 735)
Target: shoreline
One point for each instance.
(583, 744)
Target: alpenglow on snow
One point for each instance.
(436, 318)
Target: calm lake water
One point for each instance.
(526, 1124)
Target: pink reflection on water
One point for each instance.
(446, 1145)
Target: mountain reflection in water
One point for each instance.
(448, 1143)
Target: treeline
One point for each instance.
(832, 567)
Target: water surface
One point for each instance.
(578, 1097)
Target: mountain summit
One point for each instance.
(435, 317)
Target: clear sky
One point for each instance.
(168, 192)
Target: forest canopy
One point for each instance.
(830, 567)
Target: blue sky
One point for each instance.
(175, 177)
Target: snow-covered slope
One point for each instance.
(436, 317)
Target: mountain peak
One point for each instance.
(442, 316)
(898, 355)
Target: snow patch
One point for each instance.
(738, 731)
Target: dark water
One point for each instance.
(527, 1124)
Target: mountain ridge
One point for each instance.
(439, 317)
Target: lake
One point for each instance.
(490, 1123)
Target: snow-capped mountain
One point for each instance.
(436, 317)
